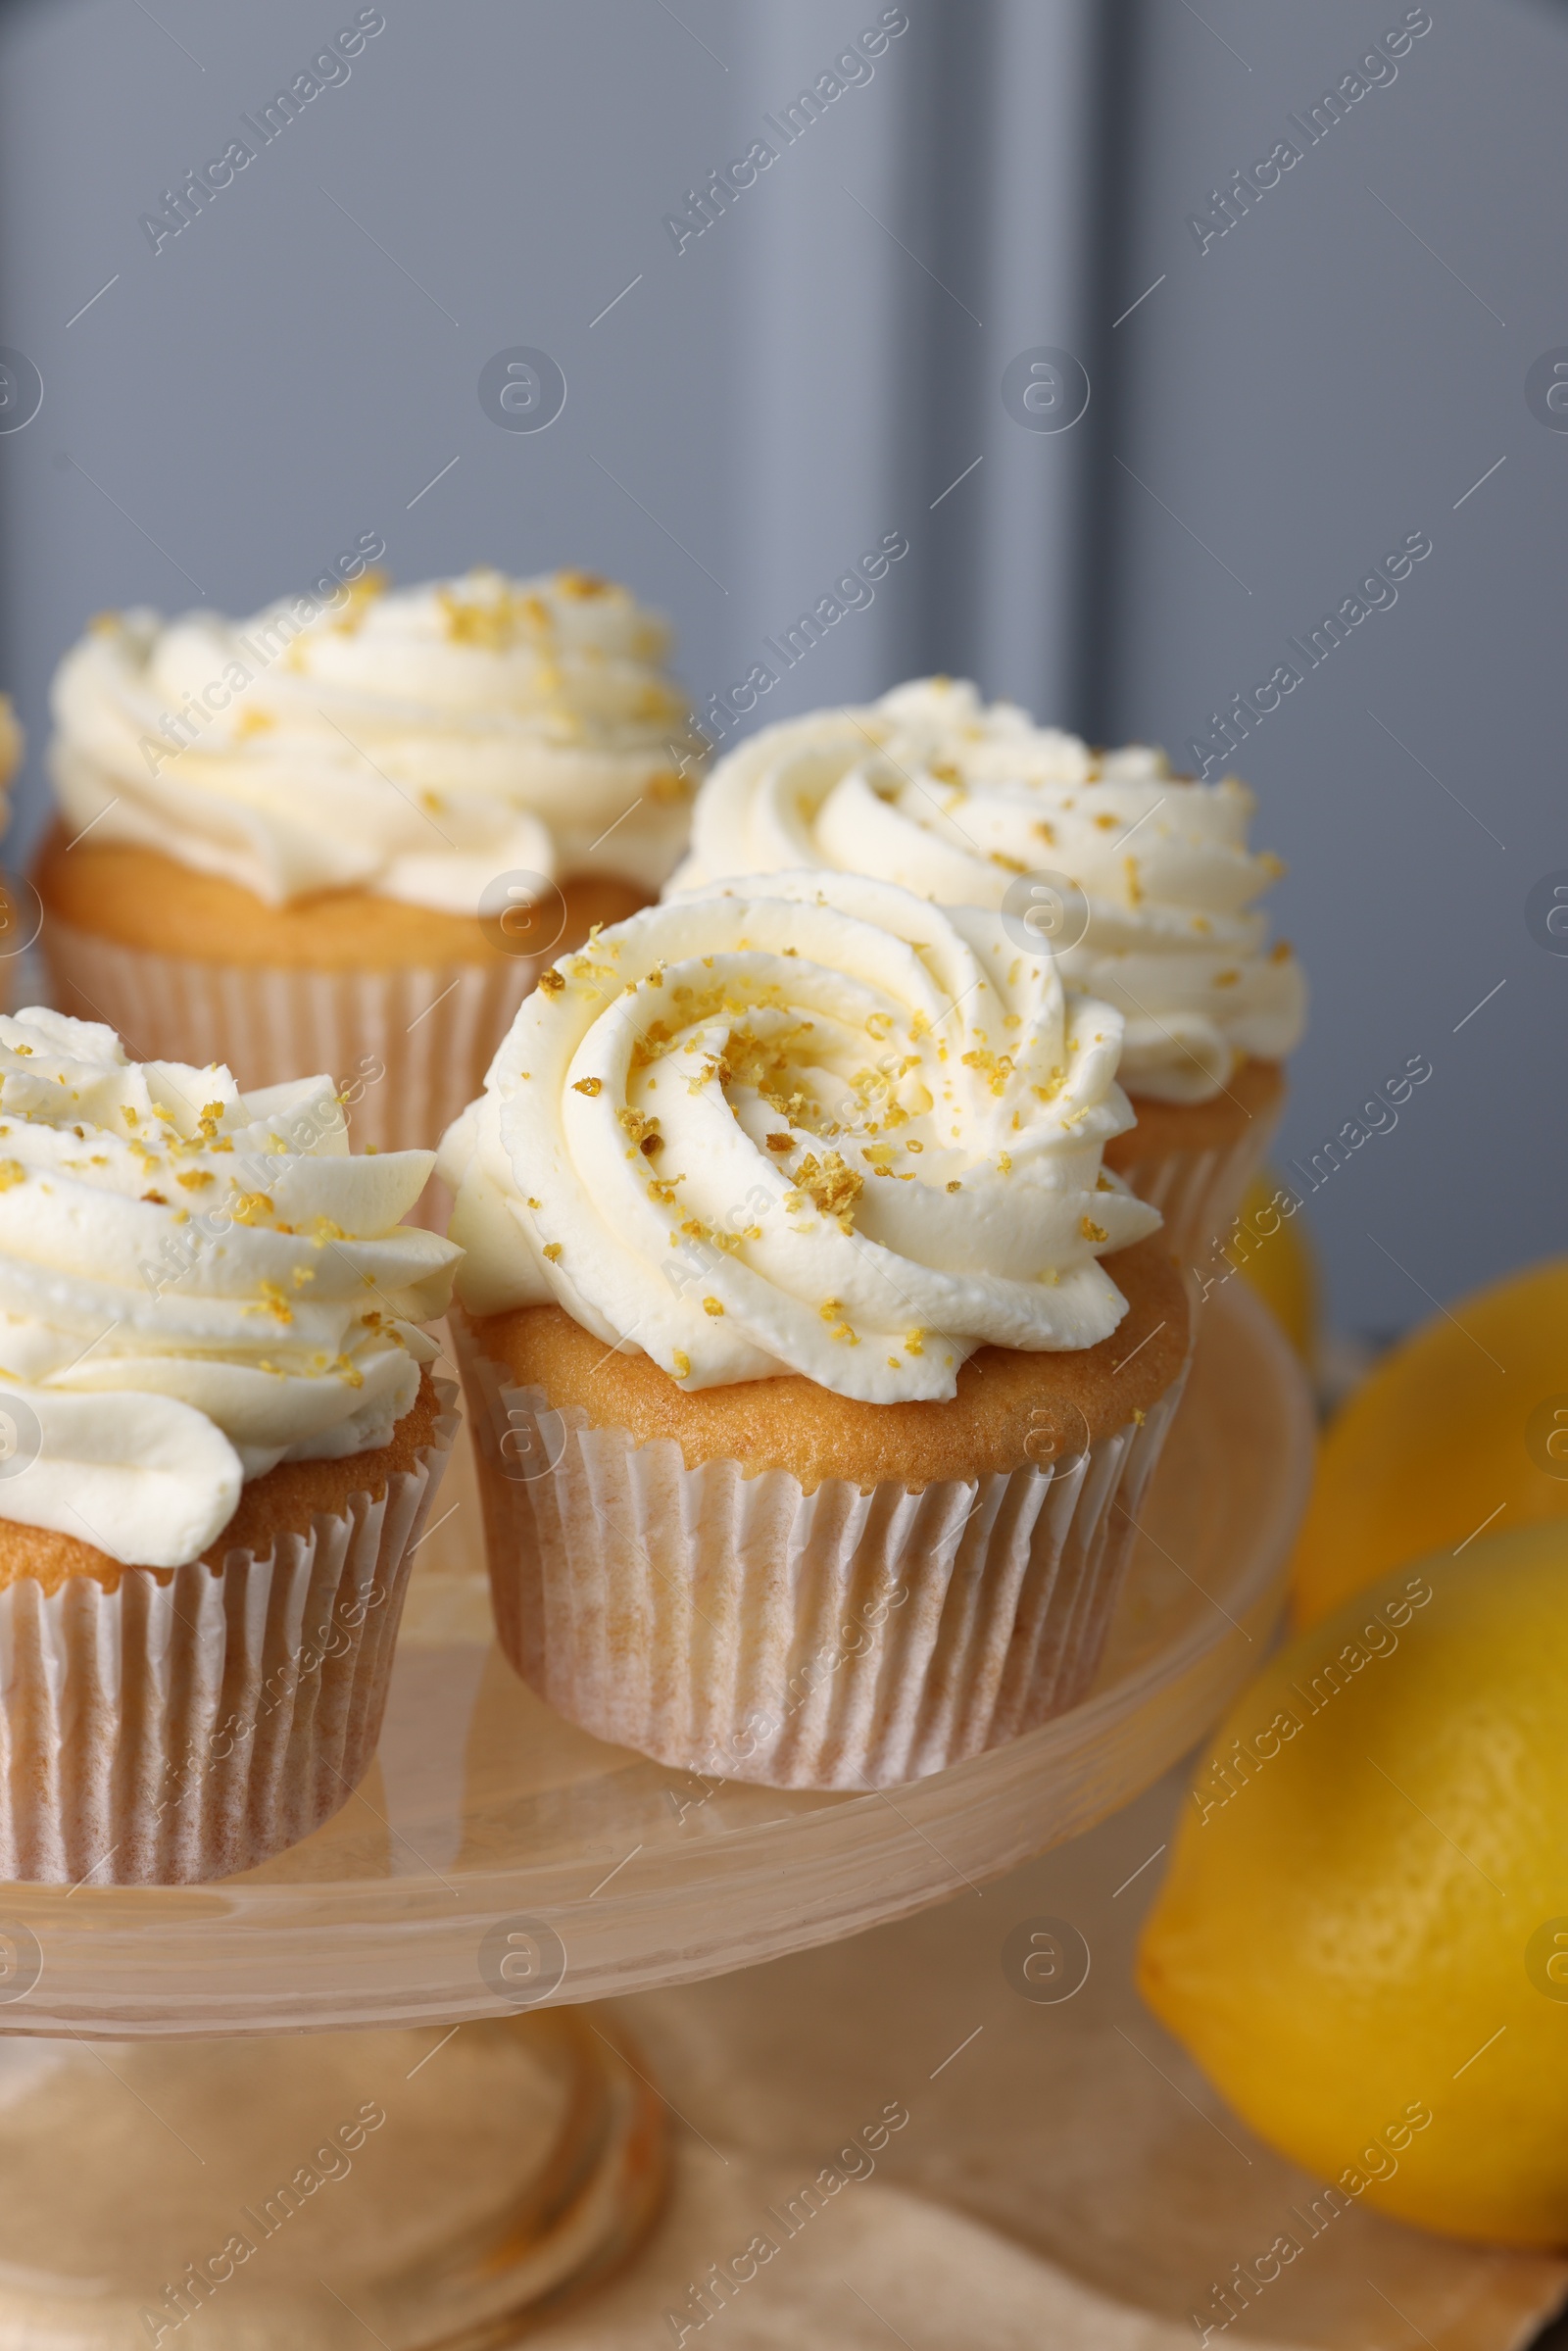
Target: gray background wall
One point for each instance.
(819, 366)
(1316, 384)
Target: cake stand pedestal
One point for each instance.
(355, 2096)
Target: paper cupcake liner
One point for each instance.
(408, 1046)
(193, 1723)
(1199, 1193)
(740, 1627)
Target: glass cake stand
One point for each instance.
(355, 2094)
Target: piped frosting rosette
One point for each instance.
(195, 1284)
(809, 1124)
(966, 804)
(413, 744)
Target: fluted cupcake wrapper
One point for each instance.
(408, 1046)
(741, 1627)
(188, 1725)
(1199, 1193)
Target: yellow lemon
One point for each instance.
(1363, 1936)
(1464, 1426)
(1275, 1257)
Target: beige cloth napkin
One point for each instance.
(876, 2267)
(1065, 2176)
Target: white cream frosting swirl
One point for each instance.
(806, 1124)
(415, 744)
(194, 1285)
(959, 801)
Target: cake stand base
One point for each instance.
(324, 2191)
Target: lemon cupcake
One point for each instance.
(218, 1439)
(345, 835)
(817, 1364)
(1142, 881)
